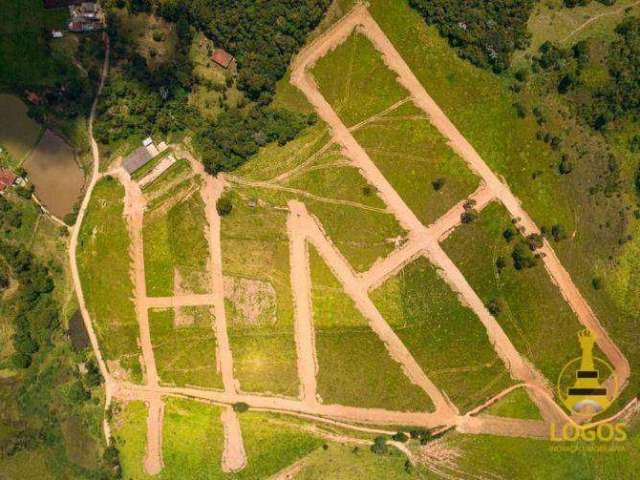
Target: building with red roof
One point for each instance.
(7, 178)
(222, 57)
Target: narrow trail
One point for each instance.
(234, 455)
(73, 242)
(153, 463)
(304, 329)
(595, 18)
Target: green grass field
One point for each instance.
(255, 247)
(18, 132)
(445, 337)
(536, 318)
(184, 346)
(104, 264)
(176, 248)
(354, 365)
(193, 442)
(516, 404)
(352, 95)
(402, 143)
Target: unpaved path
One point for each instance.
(304, 330)
(595, 18)
(234, 457)
(509, 427)
(306, 227)
(155, 419)
(359, 17)
(73, 243)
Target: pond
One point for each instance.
(55, 173)
(18, 132)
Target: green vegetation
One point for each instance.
(445, 337)
(535, 317)
(486, 34)
(176, 247)
(184, 345)
(255, 248)
(369, 87)
(354, 367)
(529, 459)
(104, 265)
(149, 166)
(130, 435)
(400, 136)
(516, 404)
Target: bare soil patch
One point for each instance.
(253, 301)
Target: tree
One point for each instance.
(438, 183)
(496, 306)
(379, 445)
(400, 437)
(522, 256)
(224, 206)
(240, 407)
(558, 232)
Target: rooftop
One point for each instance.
(222, 57)
(7, 177)
(136, 160)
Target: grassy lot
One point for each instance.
(516, 404)
(371, 234)
(528, 459)
(412, 154)
(255, 247)
(150, 165)
(176, 248)
(130, 434)
(407, 149)
(536, 318)
(18, 132)
(445, 337)
(185, 347)
(346, 462)
(354, 365)
(352, 95)
(104, 264)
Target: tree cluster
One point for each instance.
(485, 32)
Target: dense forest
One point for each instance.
(485, 32)
(262, 36)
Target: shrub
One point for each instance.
(522, 256)
(501, 263)
(469, 215)
(558, 232)
(438, 183)
(534, 241)
(597, 283)
(496, 306)
(379, 445)
(240, 407)
(508, 234)
(224, 206)
(400, 437)
(158, 36)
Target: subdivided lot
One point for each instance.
(407, 149)
(176, 248)
(533, 314)
(494, 456)
(184, 345)
(18, 132)
(417, 162)
(105, 265)
(515, 404)
(355, 80)
(446, 338)
(255, 262)
(349, 210)
(193, 442)
(354, 366)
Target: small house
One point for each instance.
(33, 97)
(222, 57)
(56, 34)
(7, 178)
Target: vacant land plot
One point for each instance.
(373, 232)
(176, 247)
(18, 133)
(355, 367)
(407, 149)
(516, 404)
(53, 170)
(445, 337)
(130, 436)
(184, 346)
(104, 264)
(416, 160)
(533, 313)
(255, 247)
(364, 86)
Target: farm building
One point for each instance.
(7, 178)
(222, 57)
(137, 159)
(86, 17)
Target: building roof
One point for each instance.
(136, 160)
(7, 177)
(222, 57)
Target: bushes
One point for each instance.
(485, 32)
(224, 206)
